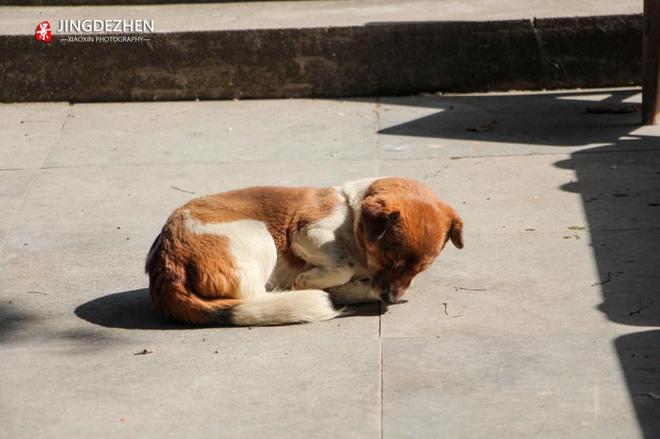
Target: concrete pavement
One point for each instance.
(547, 324)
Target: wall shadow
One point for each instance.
(550, 119)
(621, 197)
(618, 179)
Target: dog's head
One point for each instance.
(403, 227)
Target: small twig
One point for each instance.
(609, 278)
(181, 190)
(38, 292)
(641, 308)
(470, 289)
(144, 352)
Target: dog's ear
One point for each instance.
(456, 231)
(376, 219)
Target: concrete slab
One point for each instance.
(531, 285)
(143, 196)
(582, 274)
(504, 387)
(14, 186)
(483, 189)
(216, 132)
(317, 388)
(618, 188)
(28, 133)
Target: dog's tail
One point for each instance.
(170, 294)
(284, 307)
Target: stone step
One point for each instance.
(322, 49)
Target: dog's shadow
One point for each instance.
(128, 309)
(133, 310)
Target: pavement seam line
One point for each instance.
(382, 389)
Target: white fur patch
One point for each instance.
(285, 307)
(354, 192)
(251, 246)
(313, 245)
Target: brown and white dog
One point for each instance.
(276, 255)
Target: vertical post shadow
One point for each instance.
(621, 197)
(639, 354)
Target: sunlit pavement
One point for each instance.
(547, 323)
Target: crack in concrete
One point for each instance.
(68, 115)
(31, 183)
(377, 134)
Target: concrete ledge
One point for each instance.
(112, 2)
(377, 58)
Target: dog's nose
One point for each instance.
(390, 294)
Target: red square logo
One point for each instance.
(43, 32)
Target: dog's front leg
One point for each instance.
(330, 263)
(323, 277)
(355, 291)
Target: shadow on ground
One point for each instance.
(620, 193)
(133, 310)
(12, 320)
(550, 119)
(127, 310)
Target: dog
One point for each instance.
(279, 255)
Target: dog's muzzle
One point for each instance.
(390, 294)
